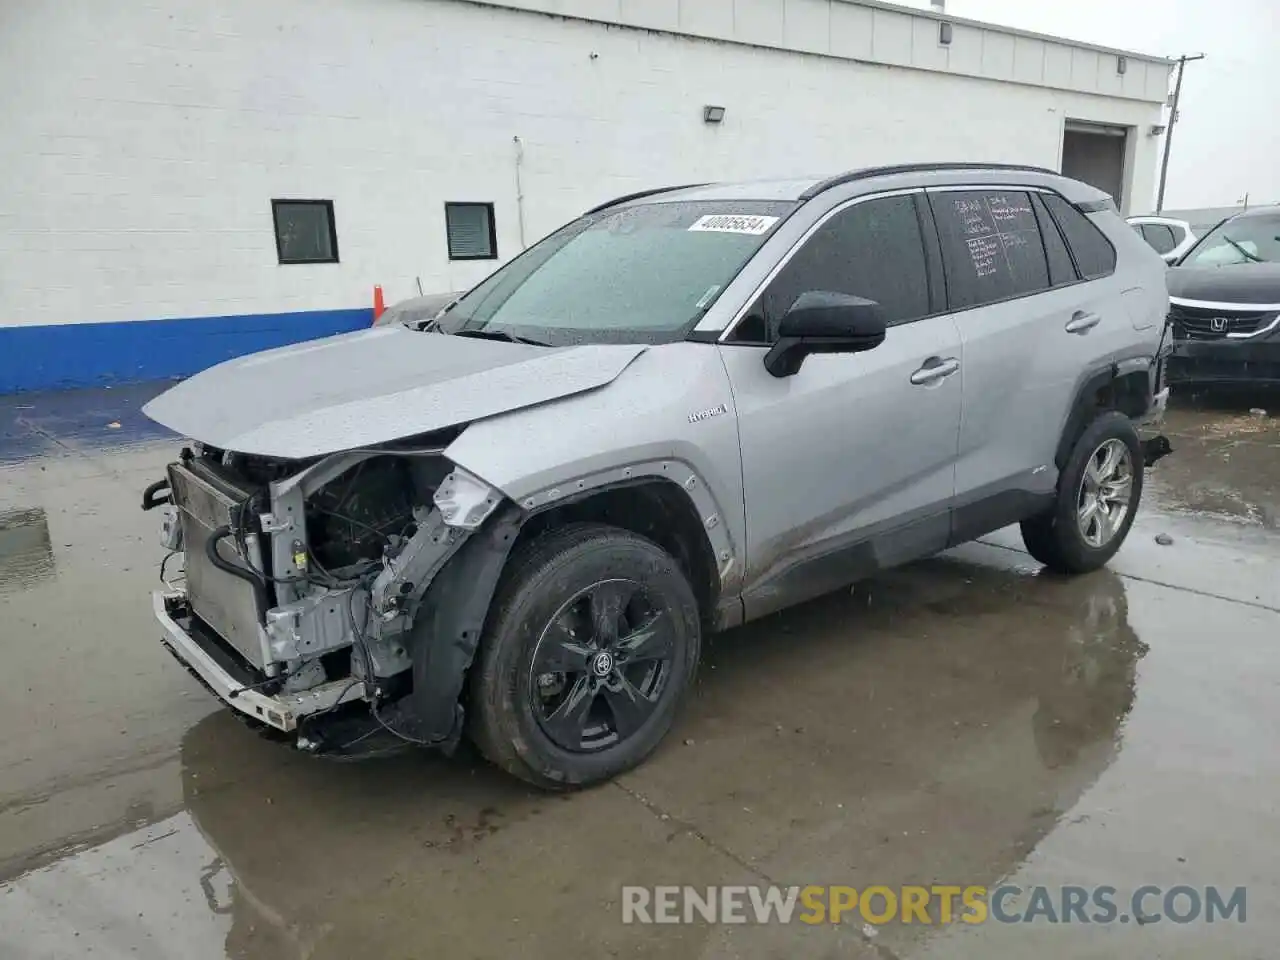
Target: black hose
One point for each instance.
(259, 585)
(149, 499)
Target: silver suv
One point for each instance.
(682, 411)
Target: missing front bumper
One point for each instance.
(281, 711)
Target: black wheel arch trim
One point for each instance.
(728, 555)
(1083, 405)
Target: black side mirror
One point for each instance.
(824, 322)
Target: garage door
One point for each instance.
(1094, 153)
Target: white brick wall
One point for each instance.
(883, 32)
(143, 140)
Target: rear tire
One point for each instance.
(589, 652)
(1086, 525)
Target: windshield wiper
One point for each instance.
(485, 334)
(1243, 251)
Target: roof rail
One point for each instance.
(640, 194)
(869, 172)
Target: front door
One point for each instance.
(849, 464)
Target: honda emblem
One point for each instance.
(1218, 324)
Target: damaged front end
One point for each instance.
(305, 599)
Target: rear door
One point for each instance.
(849, 464)
(1031, 320)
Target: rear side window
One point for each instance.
(991, 246)
(872, 249)
(1159, 236)
(1061, 269)
(1092, 251)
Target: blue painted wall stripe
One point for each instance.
(100, 354)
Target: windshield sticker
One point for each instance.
(733, 223)
(707, 297)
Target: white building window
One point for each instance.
(471, 231)
(305, 231)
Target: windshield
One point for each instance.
(640, 274)
(1241, 240)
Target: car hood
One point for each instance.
(374, 386)
(1233, 283)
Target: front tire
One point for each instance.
(1099, 491)
(588, 654)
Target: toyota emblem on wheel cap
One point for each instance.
(602, 664)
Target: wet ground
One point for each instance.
(965, 720)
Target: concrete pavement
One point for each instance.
(964, 720)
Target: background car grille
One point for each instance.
(1195, 323)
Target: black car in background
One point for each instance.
(1224, 297)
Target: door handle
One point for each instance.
(1082, 322)
(935, 369)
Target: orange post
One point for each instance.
(379, 305)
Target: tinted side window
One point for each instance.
(1093, 252)
(1061, 269)
(872, 250)
(991, 246)
(1159, 236)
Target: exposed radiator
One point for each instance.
(225, 602)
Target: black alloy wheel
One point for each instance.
(600, 665)
(589, 650)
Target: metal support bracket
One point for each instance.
(405, 576)
(315, 624)
(464, 500)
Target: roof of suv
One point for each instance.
(804, 188)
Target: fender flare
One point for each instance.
(1084, 406)
(729, 556)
